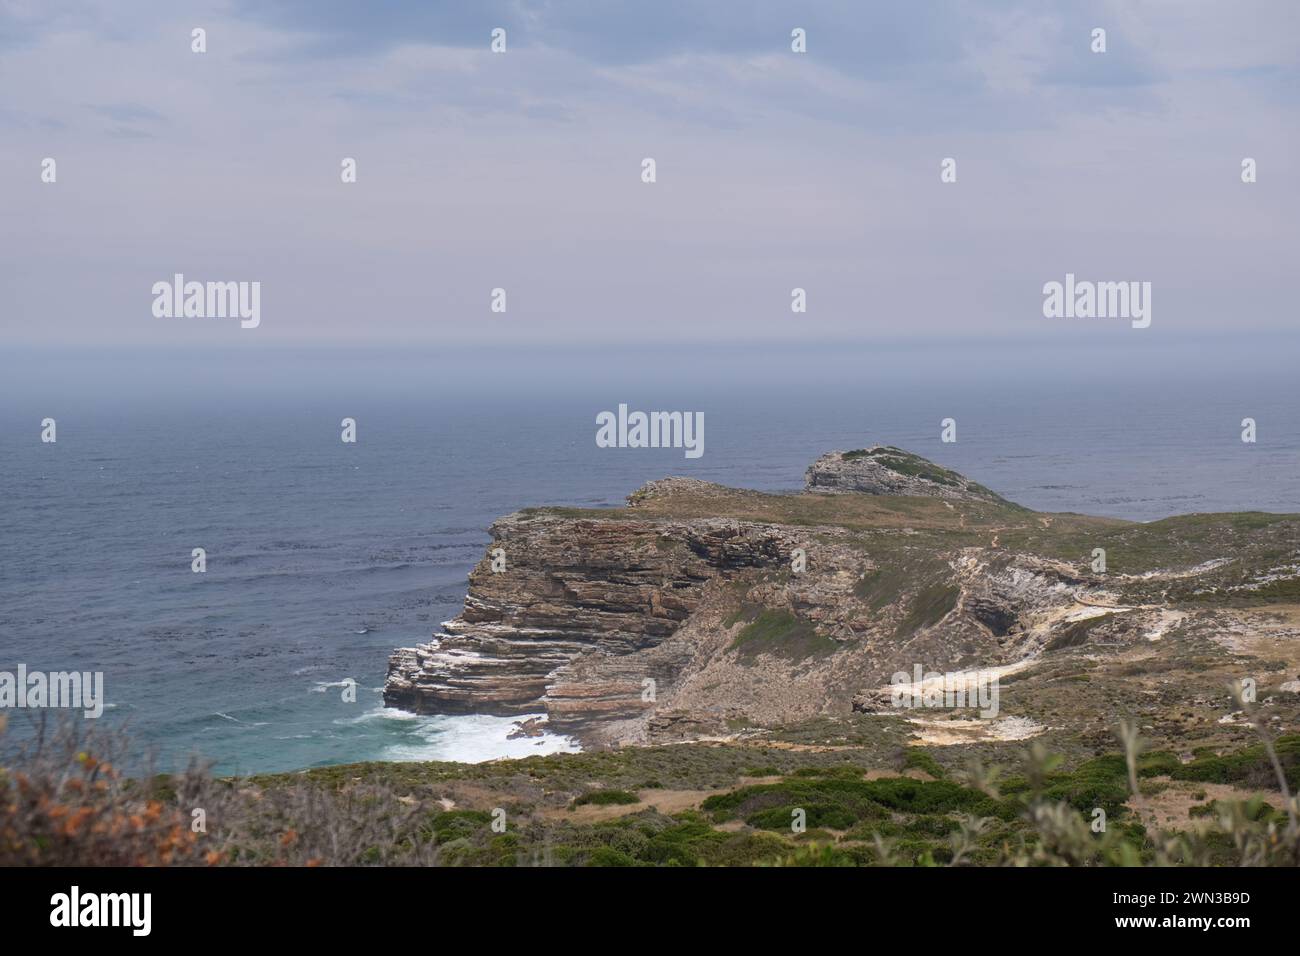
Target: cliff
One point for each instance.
(884, 470)
(702, 611)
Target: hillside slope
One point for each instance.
(690, 613)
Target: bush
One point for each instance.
(1250, 766)
(916, 758)
(67, 804)
(606, 798)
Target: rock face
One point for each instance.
(570, 589)
(883, 470)
(700, 609)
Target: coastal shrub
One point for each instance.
(815, 836)
(1253, 809)
(817, 815)
(840, 772)
(685, 842)
(744, 849)
(1250, 766)
(930, 825)
(1099, 782)
(625, 834)
(917, 758)
(608, 856)
(63, 801)
(840, 803)
(459, 824)
(605, 798)
(904, 794)
(1159, 763)
(824, 854)
(685, 839)
(1102, 782)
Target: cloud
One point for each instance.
(776, 169)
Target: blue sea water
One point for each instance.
(324, 556)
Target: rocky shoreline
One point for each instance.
(703, 612)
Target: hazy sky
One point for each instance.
(523, 170)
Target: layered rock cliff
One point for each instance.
(885, 470)
(566, 588)
(699, 609)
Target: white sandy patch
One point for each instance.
(968, 681)
(1089, 611)
(1166, 622)
(1189, 573)
(942, 733)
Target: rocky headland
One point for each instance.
(701, 612)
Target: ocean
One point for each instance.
(324, 556)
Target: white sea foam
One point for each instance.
(323, 685)
(469, 738)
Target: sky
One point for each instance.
(522, 170)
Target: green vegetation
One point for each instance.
(383, 814)
(606, 798)
(837, 803)
(917, 758)
(1256, 809)
(458, 824)
(904, 569)
(930, 605)
(865, 793)
(905, 463)
(1252, 540)
(782, 634)
(1250, 767)
(935, 593)
(1072, 635)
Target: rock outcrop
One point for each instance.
(563, 588)
(566, 589)
(699, 610)
(883, 470)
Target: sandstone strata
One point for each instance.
(700, 610)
